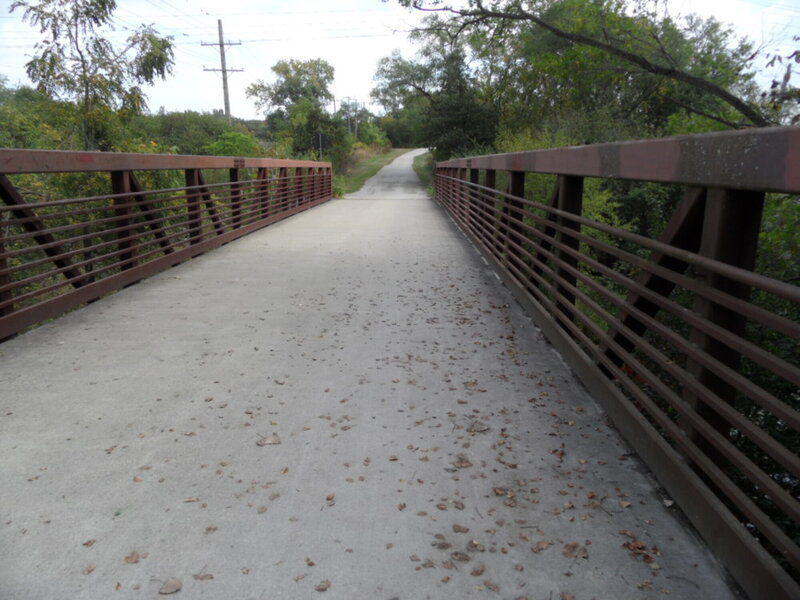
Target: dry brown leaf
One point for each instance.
(323, 586)
(170, 586)
(567, 596)
(88, 569)
(542, 545)
(575, 550)
(133, 558)
(401, 506)
(89, 543)
(460, 529)
(203, 576)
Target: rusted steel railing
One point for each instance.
(75, 225)
(669, 334)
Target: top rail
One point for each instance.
(764, 160)
(13, 161)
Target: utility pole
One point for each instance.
(222, 43)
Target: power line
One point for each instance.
(222, 43)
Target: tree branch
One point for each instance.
(754, 116)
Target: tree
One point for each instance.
(296, 80)
(638, 42)
(455, 118)
(234, 143)
(76, 61)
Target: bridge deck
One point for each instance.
(432, 444)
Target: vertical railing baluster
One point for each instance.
(193, 217)
(731, 229)
(236, 197)
(123, 213)
(6, 292)
(262, 191)
(570, 199)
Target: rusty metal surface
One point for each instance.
(61, 161)
(759, 160)
(99, 243)
(609, 308)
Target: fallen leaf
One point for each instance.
(477, 427)
(262, 509)
(460, 556)
(88, 569)
(323, 586)
(460, 529)
(272, 440)
(133, 558)
(330, 499)
(628, 533)
(567, 596)
(89, 543)
(203, 576)
(491, 586)
(441, 506)
(477, 571)
(401, 506)
(192, 499)
(575, 550)
(446, 578)
(462, 462)
(458, 504)
(170, 586)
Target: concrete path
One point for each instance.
(346, 405)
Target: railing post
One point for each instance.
(731, 226)
(262, 191)
(474, 202)
(123, 213)
(570, 199)
(236, 198)
(6, 295)
(193, 217)
(513, 210)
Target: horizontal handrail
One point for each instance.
(757, 159)
(63, 161)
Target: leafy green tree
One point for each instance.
(296, 80)
(234, 143)
(456, 119)
(638, 43)
(75, 61)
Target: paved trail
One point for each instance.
(432, 444)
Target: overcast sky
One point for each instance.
(352, 35)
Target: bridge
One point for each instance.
(383, 396)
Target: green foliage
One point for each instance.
(296, 80)
(234, 143)
(75, 61)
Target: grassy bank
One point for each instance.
(423, 166)
(366, 163)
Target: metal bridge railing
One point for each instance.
(77, 225)
(694, 355)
